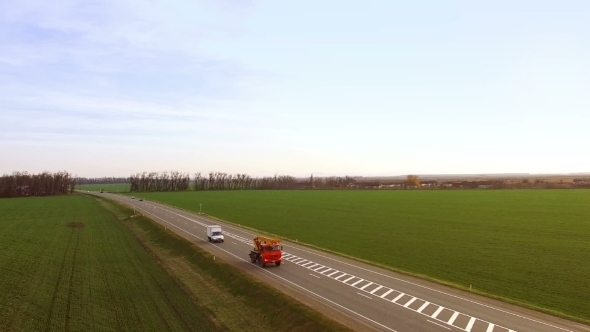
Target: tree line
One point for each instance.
(162, 181)
(177, 181)
(22, 184)
(103, 180)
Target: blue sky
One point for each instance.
(111, 88)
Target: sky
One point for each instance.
(112, 88)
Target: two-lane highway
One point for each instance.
(379, 298)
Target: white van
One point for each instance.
(214, 233)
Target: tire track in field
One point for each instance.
(59, 277)
(71, 284)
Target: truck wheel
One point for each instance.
(262, 262)
(209, 238)
(278, 263)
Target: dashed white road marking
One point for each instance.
(410, 302)
(313, 275)
(438, 312)
(470, 324)
(423, 306)
(376, 289)
(398, 297)
(452, 319)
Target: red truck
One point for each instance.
(266, 251)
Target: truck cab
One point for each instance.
(214, 233)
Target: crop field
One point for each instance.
(68, 264)
(112, 187)
(529, 246)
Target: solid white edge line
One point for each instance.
(363, 295)
(448, 328)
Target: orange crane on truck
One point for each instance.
(267, 251)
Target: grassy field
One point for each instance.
(79, 263)
(112, 188)
(67, 264)
(530, 246)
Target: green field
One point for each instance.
(111, 188)
(530, 246)
(93, 276)
(82, 263)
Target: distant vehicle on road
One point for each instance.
(132, 197)
(101, 191)
(141, 199)
(214, 233)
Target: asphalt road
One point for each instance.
(377, 297)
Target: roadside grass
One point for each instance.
(68, 264)
(236, 299)
(111, 187)
(531, 247)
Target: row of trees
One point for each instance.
(103, 180)
(21, 184)
(176, 181)
(163, 181)
(224, 181)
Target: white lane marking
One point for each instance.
(357, 282)
(440, 308)
(281, 278)
(313, 264)
(410, 302)
(344, 274)
(234, 243)
(448, 328)
(329, 269)
(365, 286)
(386, 293)
(398, 297)
(452, 319)
(317, 269)
(376, 289)
(313, 275)
(333, 273)
(470, 324)
(423, 306)
(349, 279)
(363, 295)
(490, 328)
